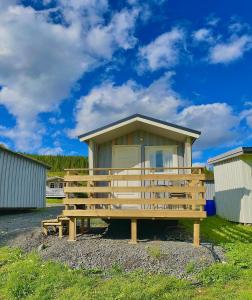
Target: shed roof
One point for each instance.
(138, 121)
(24, 156)
(230, 154)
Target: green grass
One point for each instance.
(54, 200)
(59, 173)
(26, 276)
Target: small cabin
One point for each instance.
(22, 181)
(55, 187)
(139, 168)
(233, 184)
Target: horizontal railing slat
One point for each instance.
(120, 213)
(134, 189)
(132, 177)
(89, 201)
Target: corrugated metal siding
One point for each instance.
(233, 186)
(22, 182)
(139, 137)
(210, 190)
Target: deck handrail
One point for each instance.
(159, 168)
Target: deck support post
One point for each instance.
(72, 229)
(196, 233)
(88, 224)
(82, 227)
(133, 231)
(60, 231)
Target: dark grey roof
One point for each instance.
(25, 156)
(140, 116)
(230, 154)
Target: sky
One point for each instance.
(70, 66)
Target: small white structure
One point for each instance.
(22, 181)
(233, 184)
(55, 187)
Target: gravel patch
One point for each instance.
(170, 252)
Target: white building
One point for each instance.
(233, 184)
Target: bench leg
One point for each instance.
(196, 233)
(72, 229)
(45, 231)
(133, 231)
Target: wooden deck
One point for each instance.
(167, 193)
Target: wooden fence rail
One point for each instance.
(160, 193)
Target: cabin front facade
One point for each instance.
(55, 187)
(139, 168)
(140, 141)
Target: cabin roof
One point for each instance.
(24, 156)
(230, 154)
(138, 121)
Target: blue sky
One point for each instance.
(69, 66)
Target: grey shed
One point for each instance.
(233, 184)
(22, 181)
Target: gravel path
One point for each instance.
(104, 247)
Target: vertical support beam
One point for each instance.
(133, 231)
(188, 154)
(88, 224)
(196, 233)
(82, 227)
(72, 229)
(60, 231)
(91, 154)
(66, 194)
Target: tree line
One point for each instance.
(60, 162)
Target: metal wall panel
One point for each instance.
(22, 182)
(233, 190)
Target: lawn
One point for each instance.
(25, 276)
(54, 200)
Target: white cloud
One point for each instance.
(231, 50)
(197, 154)
(108, 102)
(40, 61)
(208, 118)
(164, 51)
(247, 116)
(56, 121)
(203, 35)
(50, 150)
(111, 102)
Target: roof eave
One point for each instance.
(179, 129)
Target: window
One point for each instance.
(61, 185)
(52, 185)
(161, 157)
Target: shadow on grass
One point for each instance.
(218, 230)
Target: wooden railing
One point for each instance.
(168, 193)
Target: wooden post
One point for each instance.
(196, 233)
(88, 224)
(60, 231)
(72, 229)
(82, 227)
(133, 231)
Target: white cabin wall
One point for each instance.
(138, 137)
